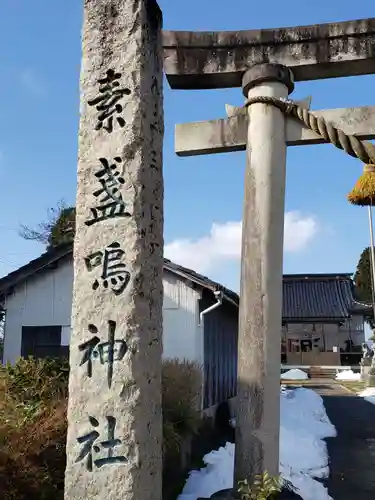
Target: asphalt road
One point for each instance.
(352, 452)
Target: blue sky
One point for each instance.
(39, 103)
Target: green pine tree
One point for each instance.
(362, 277)
(362, 280)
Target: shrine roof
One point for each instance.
(320, 297)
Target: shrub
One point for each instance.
(32, 462)
(181, 390)
(33, 429)
(264, 487)
(33, 403)
(37, 380)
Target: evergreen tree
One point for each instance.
(2, 317)
(363, 282)
(362, 277)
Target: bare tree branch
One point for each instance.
(58, 228)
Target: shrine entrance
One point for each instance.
(309, 351)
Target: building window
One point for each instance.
(42, 342)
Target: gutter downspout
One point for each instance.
(219, 300)
(219, 295)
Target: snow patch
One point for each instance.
(368, 394)
(348, 375)
(303, 453)
(294, 374)
(216, 476)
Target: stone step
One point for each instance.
(322, 372)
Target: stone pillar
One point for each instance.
(365, 366)
(258, 392)
(114, 443)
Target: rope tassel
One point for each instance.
(363, 193)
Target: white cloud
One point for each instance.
(31, 82)
(223, 243)
(299, 230)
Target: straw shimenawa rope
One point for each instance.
(363, 150)
(363, 193)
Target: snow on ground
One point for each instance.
(303, 453)
(368, 394)
(294, 374)
(348, 375)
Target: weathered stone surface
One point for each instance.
(205, 60)
(365, 368)
(260, 313)
(263, 73)
(365, 362)
(227, 135)
(115, 429)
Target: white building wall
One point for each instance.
(182, 335)
(46, 299)
(358, 333)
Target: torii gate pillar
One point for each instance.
(258, 388)
(212, 60)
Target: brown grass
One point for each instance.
(181, 384)
(353, 386)
(32, 430)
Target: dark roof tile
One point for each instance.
(329, 297)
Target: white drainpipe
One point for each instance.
(219, 300)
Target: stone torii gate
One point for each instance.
(265, 63)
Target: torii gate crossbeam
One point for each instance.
(212, 60)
